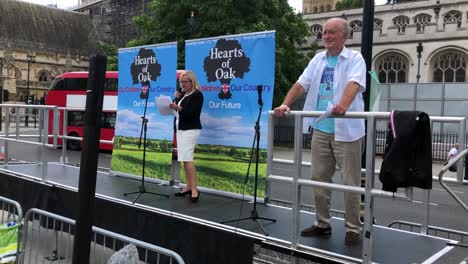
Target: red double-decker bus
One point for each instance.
(69, 90)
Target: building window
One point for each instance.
(322, 9)
(44, 76)
(401, 22)
(356, 25)
(17, 73)
(378, 24)
(449, 67)
(392, 68)
(421, 21)
(452, 17)
(316, 30)
(328, 8)
(315, 10)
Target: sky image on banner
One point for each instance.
(145, 74)
(230, 70)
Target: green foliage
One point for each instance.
(217, 171)
(110, 51)
(347, 4)
(180, 20)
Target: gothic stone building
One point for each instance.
(112, 19)
(38, 43)
(440, 26)
(318, 6)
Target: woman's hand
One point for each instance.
(175, 107)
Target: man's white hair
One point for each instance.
(345, 28)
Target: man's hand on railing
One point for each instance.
(281, 110)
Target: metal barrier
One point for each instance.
(432, 230)
(50, 237)
(11, 211)
(369, 191)
(445, 186)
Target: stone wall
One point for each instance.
(391, 35)
(46, 40)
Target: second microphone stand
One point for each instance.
(256, 143)
(144, 128)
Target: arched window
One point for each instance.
(449, 66)
(392, 68)
(452, 17)
(322, 9)
(328, 8)
(44, 76)
(378, 24)
(315, 9)
(401, 22)
(17, 73)
(316, 30)
(421, 20)
(356, 26)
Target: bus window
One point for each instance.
(76, 118)
(57, 84)
(111, 85)
(76, 84)
(108, 120)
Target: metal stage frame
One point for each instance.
(208, 212)
(194, 230)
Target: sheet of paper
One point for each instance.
(327, 113)
(162, 102)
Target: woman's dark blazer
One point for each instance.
(189, 116)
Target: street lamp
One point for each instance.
(30, 59)
(419, 49)
(191, 22)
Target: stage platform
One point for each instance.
(193, 229)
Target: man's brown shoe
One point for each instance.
(351, 238)
(316, 231)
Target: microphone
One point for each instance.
(259, 90)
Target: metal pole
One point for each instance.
(27, 93)
(89, 157)
(366, 51)
(366, 45)
(419, 49)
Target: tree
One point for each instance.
(347, 4)
(180, 20)
(110, 51)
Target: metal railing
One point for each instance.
(369, 191)
(441, 142)
(11, 211)
(49, 237)
(447, 233)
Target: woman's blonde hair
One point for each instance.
(193, 79)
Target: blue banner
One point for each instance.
(233, 72)
(236, 75)
(145, 73)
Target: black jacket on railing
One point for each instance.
(408, 152)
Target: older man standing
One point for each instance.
(335, 80)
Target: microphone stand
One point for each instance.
(144, 128)
(254, 214)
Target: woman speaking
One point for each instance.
(188, 106)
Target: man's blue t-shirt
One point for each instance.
(325, 95)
